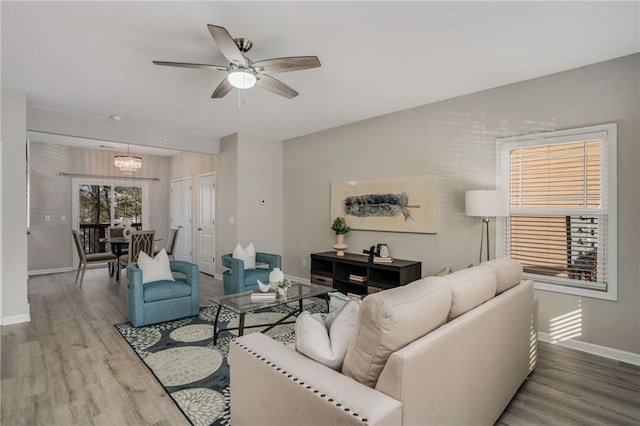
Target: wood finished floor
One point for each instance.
(70, 366)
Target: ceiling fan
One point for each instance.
(243, 72)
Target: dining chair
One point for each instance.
(86, 259)
(138, 241)
(114, 231)
(171, 243)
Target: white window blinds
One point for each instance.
(558, 223)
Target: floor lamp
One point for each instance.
(487, 204)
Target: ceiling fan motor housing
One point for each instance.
(244, 44)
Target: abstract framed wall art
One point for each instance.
(395, 204)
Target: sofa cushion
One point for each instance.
(161, 290)
(470, 288)
(508, 272)
(326, 340)
(392, 319)
(247, 255)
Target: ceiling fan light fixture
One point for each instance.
(241, 79)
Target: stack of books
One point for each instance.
(267, 296)
(378, 259)
(358, 278)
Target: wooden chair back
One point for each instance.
(140, 241)
(171, 241)
(79, 249)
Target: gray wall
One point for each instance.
(227, 198)
(15, 306)
(260, 178)
(50, 242)
(250, 170)
(454, 139)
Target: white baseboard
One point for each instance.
(217, 276)
(618, 355)
(51, 271)
(16, 319)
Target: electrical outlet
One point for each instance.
(304, 262)
(63, 218)
(47, 218)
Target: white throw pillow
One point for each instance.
(156, 269)
(327, 346)
(247, 255)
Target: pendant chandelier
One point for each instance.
(127, 163)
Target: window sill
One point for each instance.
(611, 294)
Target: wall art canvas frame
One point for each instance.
(394, 204)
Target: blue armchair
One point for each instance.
(238, 280)
(161, 301)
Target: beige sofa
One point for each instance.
(478, 348)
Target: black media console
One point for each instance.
(352, 273)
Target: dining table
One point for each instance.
(116, 244)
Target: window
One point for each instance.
(562, 223)
(104, 205)
(97, 204)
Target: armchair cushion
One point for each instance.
(247, 255)
(166, 289)
(155, 269)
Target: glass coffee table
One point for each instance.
(242, 304)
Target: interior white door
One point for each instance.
(206, 223)
(180, 202)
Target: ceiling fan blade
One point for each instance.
(276, 86)
(223, 88)
(188, 65)
(226, 45)
(294, 63)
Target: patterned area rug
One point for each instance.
(195, 373)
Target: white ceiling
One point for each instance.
(115, 147)
(95, 58)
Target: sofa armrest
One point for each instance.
(272, 384)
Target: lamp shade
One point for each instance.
(487, 203)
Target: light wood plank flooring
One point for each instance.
(70, 366)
